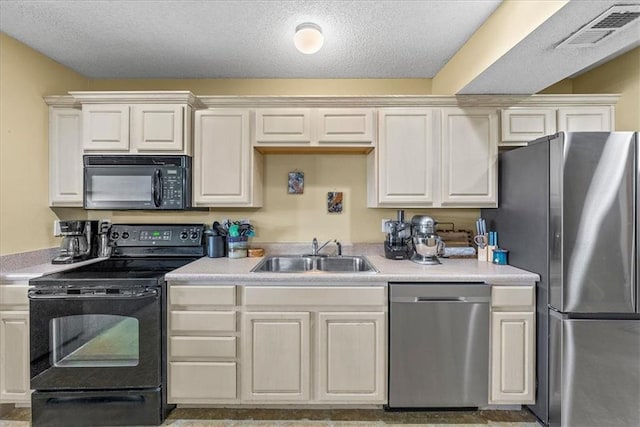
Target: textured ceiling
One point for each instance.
(110, 39)
(539, 64)
(245, 39)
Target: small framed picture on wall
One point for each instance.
(295, 183)
(334, 202)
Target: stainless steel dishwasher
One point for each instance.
(438, 345)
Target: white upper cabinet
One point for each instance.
(157, 127)
(523, 124)
(469, 157)
(343, 126)
(105, 127)
(314, 127)
(527, 124)
(65, 157)
(403, 168)
(585, 119)
(136, 122)
(226, 169)
(283, 125)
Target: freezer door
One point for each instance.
(592, 207)
(594, 374)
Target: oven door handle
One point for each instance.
(157, 188)
(37, 294)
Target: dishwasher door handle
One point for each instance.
(440, 299)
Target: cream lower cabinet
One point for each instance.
(227, 172)
(276, 359)
(512, 378)
(350, 360)
(14, 344)
(202, 348)
(327, 346)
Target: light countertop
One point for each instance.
(34, 271)
(234, 271)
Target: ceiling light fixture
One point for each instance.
(308, 38)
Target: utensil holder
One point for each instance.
(482, 253)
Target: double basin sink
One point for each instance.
(314, 264)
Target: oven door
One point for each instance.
(95, 338)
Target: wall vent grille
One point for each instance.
(605, 25)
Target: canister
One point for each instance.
(237, 246)
(500, 256)
(216, 244)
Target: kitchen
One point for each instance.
(25, 137)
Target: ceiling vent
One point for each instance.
(605, 25)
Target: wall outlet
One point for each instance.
(384, 226)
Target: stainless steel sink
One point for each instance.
(285, 264)
(303, 264)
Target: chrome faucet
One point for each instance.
(315, 249)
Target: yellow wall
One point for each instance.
(25, 77)
(298, 218)
(360, 87)
(621, 75)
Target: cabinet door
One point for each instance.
(526, 124)
(105, 127)
(351, 357)
(585, 119)
(469, 157)
(512, 358)
(201, 382)
(285, 125)
(65, 157)
(275, 356)
(14, 357)
(224, 162)
(344, 126)
(406, 157)
(157, 127)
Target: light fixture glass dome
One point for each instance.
(308, 38)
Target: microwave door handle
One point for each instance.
(157, 188)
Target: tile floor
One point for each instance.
(205, 417)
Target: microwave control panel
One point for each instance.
(156, 235)
(172, 189)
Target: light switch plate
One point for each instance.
(384, 226)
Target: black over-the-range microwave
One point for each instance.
(146, 182)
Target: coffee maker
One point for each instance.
(397, 244)
(78, 241)
(427, 245)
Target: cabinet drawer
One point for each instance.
(202, 347)
(202, 295)
(14, 295)
(517, 297)
(203, 321)
(201, 381)
(257, 296)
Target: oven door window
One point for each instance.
(94, 340)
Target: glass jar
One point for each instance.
(237, 246)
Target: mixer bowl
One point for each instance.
(428, 246)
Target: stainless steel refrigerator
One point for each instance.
(568, 210)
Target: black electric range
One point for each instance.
(99, 331)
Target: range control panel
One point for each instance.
(156, 234)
